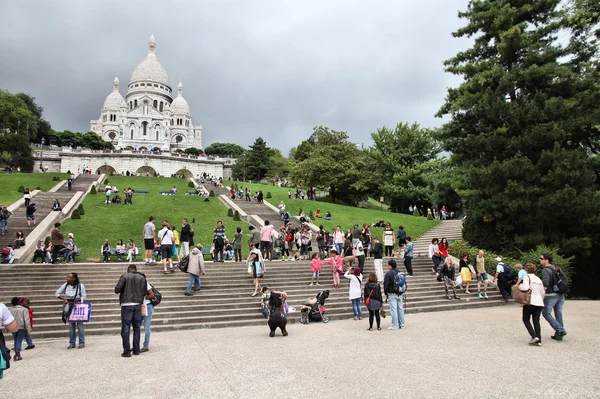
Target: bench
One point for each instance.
(167, 192)
(141, 191)
(191, 192)
(63, 254)
(113, 252)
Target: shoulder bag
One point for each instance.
(368, 299)
(524, 297)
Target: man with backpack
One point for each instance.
(556, 284)
(503, 278)
(4, 215)
(394, 286)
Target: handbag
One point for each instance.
(523, 297)
(368, 299)
(250, 269)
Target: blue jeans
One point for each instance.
(193, 281)
(147, 329)
(4, 226)
(556, 303)
(81, 332)
(131, 315)
(339, 246)
(18, 336)
(396, 309)
(28, 340)
(356, 307)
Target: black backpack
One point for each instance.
(509, 272)
(560, 281)
(157, 296)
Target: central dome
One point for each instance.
(150, 68)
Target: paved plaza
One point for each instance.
(472, 353)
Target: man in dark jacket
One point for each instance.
(132, 289)
(185, 237)
(395, 298)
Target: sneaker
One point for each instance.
(311, 284)
(144, 350)
(30, 347)
(81, 346)
(557, 337)
(188, 294)
(392, 328)
(562, 334)
(485, 295)
(272, 334)
(479, 295)
(534, 341)
(318, 284)
(355, 318)
(126, 354)
(71, 347)
(285, 333)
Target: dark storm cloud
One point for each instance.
(257, 68)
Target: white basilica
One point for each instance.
(148, 118)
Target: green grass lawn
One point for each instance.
(342, 215)
(116, 222)
(10, 183)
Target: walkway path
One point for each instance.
(451, 229)
(457, 354)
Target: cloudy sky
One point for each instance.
(273, 69)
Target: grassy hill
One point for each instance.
(10, 183)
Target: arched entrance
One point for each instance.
(146, 171)
(106, 169)
(185, 173)
(156, 150)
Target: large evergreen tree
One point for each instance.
(258, 159)
(518, 129)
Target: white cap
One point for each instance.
(498, 259)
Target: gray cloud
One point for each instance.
(261, 68)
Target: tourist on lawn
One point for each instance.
(176, 243)
(219, 241)
(336, 267)
(366, 238)
(130, 250)
(27, 197)
(120, 249)
(186, 230)
(237, 244)
(328, 216)
(338, 239)
(257, 266)
(448, 273)
(536, 304)
(434, 255)
(553, 301)
(20, 312)
(465, 271)
(148, 234)
(482, 276)
(373, 292)
(105, 250)
(58, 241)
(388, 239)
(19, 240)
(265, 240)
(30, 214)
(277, 317)
(395, 297)
(132, 288)
(408, 256)
(166, 239)
(355, 290)
(377, 253)
(195, 268)
(71, 293)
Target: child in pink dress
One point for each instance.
(315, 268)
(335, 264)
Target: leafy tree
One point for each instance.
(6, 158)
(193, 151)
(401, 159)
(258, 160)
(224, 150)
(334, 163)
(279, 166)
(517, 129)
(238, 171)
(93, 141)
(302, 152)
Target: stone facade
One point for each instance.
(148, 118)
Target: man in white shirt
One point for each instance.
(165, 237)
(148, 234)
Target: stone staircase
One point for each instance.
(224, 300)
(451, 229)
(43, 202)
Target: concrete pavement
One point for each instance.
(471, 353)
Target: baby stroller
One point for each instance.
(314, 309)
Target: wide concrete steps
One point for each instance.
(450, 229)
(81, 183)
(224, 300)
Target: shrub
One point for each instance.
(93, 190)
(230, 212)
(76, 214)
(68, 172)
(311, 215)
(430, 217)
(533, 256)
(81, 211)
(21, 189)
(416, 212)
(105, 181)
(38, 188)
(269, 195)
(212, 193)
(56, 178)
(236, 216)
(47, 240)
(191, 184)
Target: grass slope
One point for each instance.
(342, 215)
(116, 222)
(10, 182)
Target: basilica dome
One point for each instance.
(180, 106)
(115, 100)
(150, 69)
